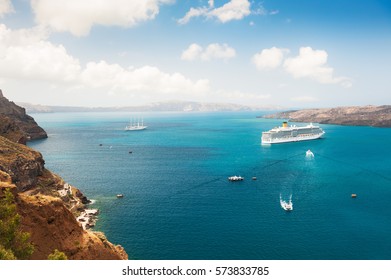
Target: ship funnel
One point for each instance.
(285, 124)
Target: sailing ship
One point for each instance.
(133, 125)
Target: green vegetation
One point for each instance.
(6, 254)
(14, 244)
(57, 255)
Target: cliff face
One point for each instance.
(53, 226)
(24, 165)
(46, 214)
(16, 125)
(379, 116)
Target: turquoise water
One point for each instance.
(178, 203)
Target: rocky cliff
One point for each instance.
(379, 116)
(52, 226)
(47, 205)
(15, 124)
(24, 165)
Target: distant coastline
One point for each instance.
(377, 116)
(169, 106)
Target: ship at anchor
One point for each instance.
(293, 133)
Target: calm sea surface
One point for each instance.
(178, 203)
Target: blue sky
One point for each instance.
(265, 53)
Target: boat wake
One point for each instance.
(286, 205)
(309, 154)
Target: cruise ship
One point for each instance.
(291, 133)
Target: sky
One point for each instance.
(294, 54)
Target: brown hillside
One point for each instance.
(379, 116)
(53, 226)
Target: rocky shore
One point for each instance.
(378, 116)
(50, 208)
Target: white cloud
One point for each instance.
(313, 64)
(5, 7)
(194, 12)
(212, 51)
(308, 64)
(26, 54)
(192, 52)
(232, 10)
(78, 17)
(269, 58)
(144, 79)
(217, 51)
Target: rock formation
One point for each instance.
(24, 165)
(379, 116)
(16, 125)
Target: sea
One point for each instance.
(179, 205)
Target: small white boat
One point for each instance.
(120, 195)
(235, 178)
(286, 205)
(309, 154)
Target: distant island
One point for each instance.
(168, 106)
(378, 116)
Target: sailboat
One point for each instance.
(133, 125)
(287, 206)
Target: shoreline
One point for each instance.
(88, 218)
(79, 203)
